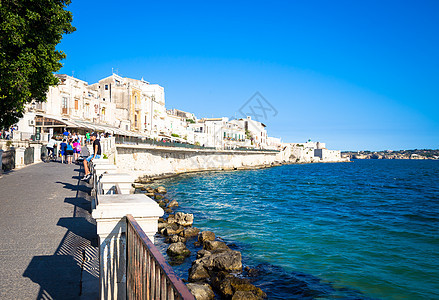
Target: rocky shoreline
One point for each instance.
(217, 269)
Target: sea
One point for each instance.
(368, 229)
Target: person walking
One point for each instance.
(51, 153)
(69, 152)
(96, 154)
(87, 137)
(62, 148)
(76, 149)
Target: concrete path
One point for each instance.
(48, 238)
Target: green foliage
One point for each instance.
(190, 121)
(175, 135)
(29, 33)
(105, 156)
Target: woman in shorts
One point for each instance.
(76, 149)
(69, 152)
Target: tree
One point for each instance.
(29, 33)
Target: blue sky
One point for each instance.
(356, 75)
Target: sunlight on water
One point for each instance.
(367, 229)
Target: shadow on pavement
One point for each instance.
(75, 261)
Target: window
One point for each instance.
(64, 102)
(106, 87)
(135, 99)
(135, 120)
(76, 104)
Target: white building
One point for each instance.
(256, 130)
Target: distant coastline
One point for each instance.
(416, 154)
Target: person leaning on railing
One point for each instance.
(96, 154)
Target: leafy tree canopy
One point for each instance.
(29, 33)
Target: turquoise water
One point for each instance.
(362, 230)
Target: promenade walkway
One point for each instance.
(48, 238)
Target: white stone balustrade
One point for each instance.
(111, 228)
(107, 182)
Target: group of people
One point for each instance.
(69, 149)
(7, 134)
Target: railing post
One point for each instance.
(37, 151)
(112, 227)
(1, 161)
(19, 157)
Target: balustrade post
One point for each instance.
(112, 228)
(1, 161)
(19, 157)
(37, 151)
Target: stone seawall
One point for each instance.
(147, 161)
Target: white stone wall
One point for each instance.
(141, 160)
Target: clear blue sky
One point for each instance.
(358, 75)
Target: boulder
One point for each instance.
(175, 239)
(160, 190)
(138, 185)
(245, 295)
(228, 285)
(201, 291)
(178, 249)
(151, 195)
(158, 197)
(162, 203)
(172, 229)
(184, 219)
(206, 236)
(168, 211)
(172, 204)
(190, 232)
(150, 190)
(202, 253)
(161, 226)
(197, 272)
(223, 261)
(215, 245)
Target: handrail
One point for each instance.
(149, 276)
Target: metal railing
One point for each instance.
(8, 160)
(149, 276)
(146, 141)
(28, 155)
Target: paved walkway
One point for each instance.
(48, 238)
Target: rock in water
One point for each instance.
(172, 204)
(190, 232)
(158, 197)
(241, 295)
(161, 190)
(206, 236)
(178, 249)
(197, 272)
(137, 185)
(228, 285)
(223, 261)
(201, 291)
(215, 245)
(183, 219)
(175, 239)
